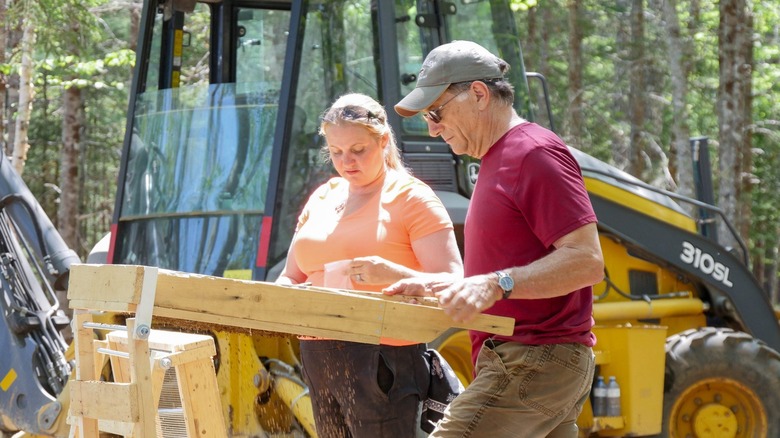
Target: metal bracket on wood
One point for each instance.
(143, 314)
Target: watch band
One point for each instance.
(505, 283)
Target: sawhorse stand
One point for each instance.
(145, 363)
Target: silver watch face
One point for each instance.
(506, 282)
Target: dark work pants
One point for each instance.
(362, 390)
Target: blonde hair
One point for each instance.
(363, 110)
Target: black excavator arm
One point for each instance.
(34, 263)
(725, 280)
(733, 291)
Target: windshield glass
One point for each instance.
(339, 55)
(200, 149)
(199, 158)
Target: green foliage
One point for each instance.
(605, 82)
(79, 46)
(51, 16)
(765, 230)
(522, 5)
(68, 71)
(87, 56)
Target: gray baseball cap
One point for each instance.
(458, 61)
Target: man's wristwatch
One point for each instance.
(506, 284)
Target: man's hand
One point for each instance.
(467, 298)
(462, 300)
(417, 287)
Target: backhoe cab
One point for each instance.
(222, 146)
(221, 152)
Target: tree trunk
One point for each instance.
(682, 156)
(334, 49)
(619, 144)
(26, 93)
(72, 122)
(505, 33)
(546, 24)
(542, 20)
(636, 154)
(532, 50)
(135, 23)
(529, 45)
(575, 123)
(3, 79)
(734, 161)
(694, 10)
(772, 271)
(748, 177)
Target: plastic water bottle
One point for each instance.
(600, 398)
(613, 398)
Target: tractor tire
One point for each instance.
(720, 383)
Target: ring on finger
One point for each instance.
(358, 277)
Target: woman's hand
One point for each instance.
(376, 270)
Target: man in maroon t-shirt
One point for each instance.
(531, 253)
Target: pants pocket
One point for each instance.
(555, 377)
(384, 375)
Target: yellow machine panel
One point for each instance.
(634, 355)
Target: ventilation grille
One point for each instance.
(642, 282)
(170, 409)
(436, 170)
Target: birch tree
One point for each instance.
(637, 164)
(26, 89)
(3, 76)
(618, 142)
(574, 131)
(682, 164)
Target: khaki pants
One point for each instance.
(520, 390)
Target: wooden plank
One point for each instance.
(182, 357)
(170, 341)
(429, 323)
(104, 400)
(311, 311)
(323, 312)
(85, 370)
(343, 334)
(141, 376)
(83, 345)
(425, 301)
(103, 305)
(269, 303)
(120, 367)
(122, 283)
(429, 313)
(100, 360)
(201, 399)
(116, 427)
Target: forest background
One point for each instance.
(631, 82)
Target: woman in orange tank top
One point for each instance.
(384, 225)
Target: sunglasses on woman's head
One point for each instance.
(351, 113)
